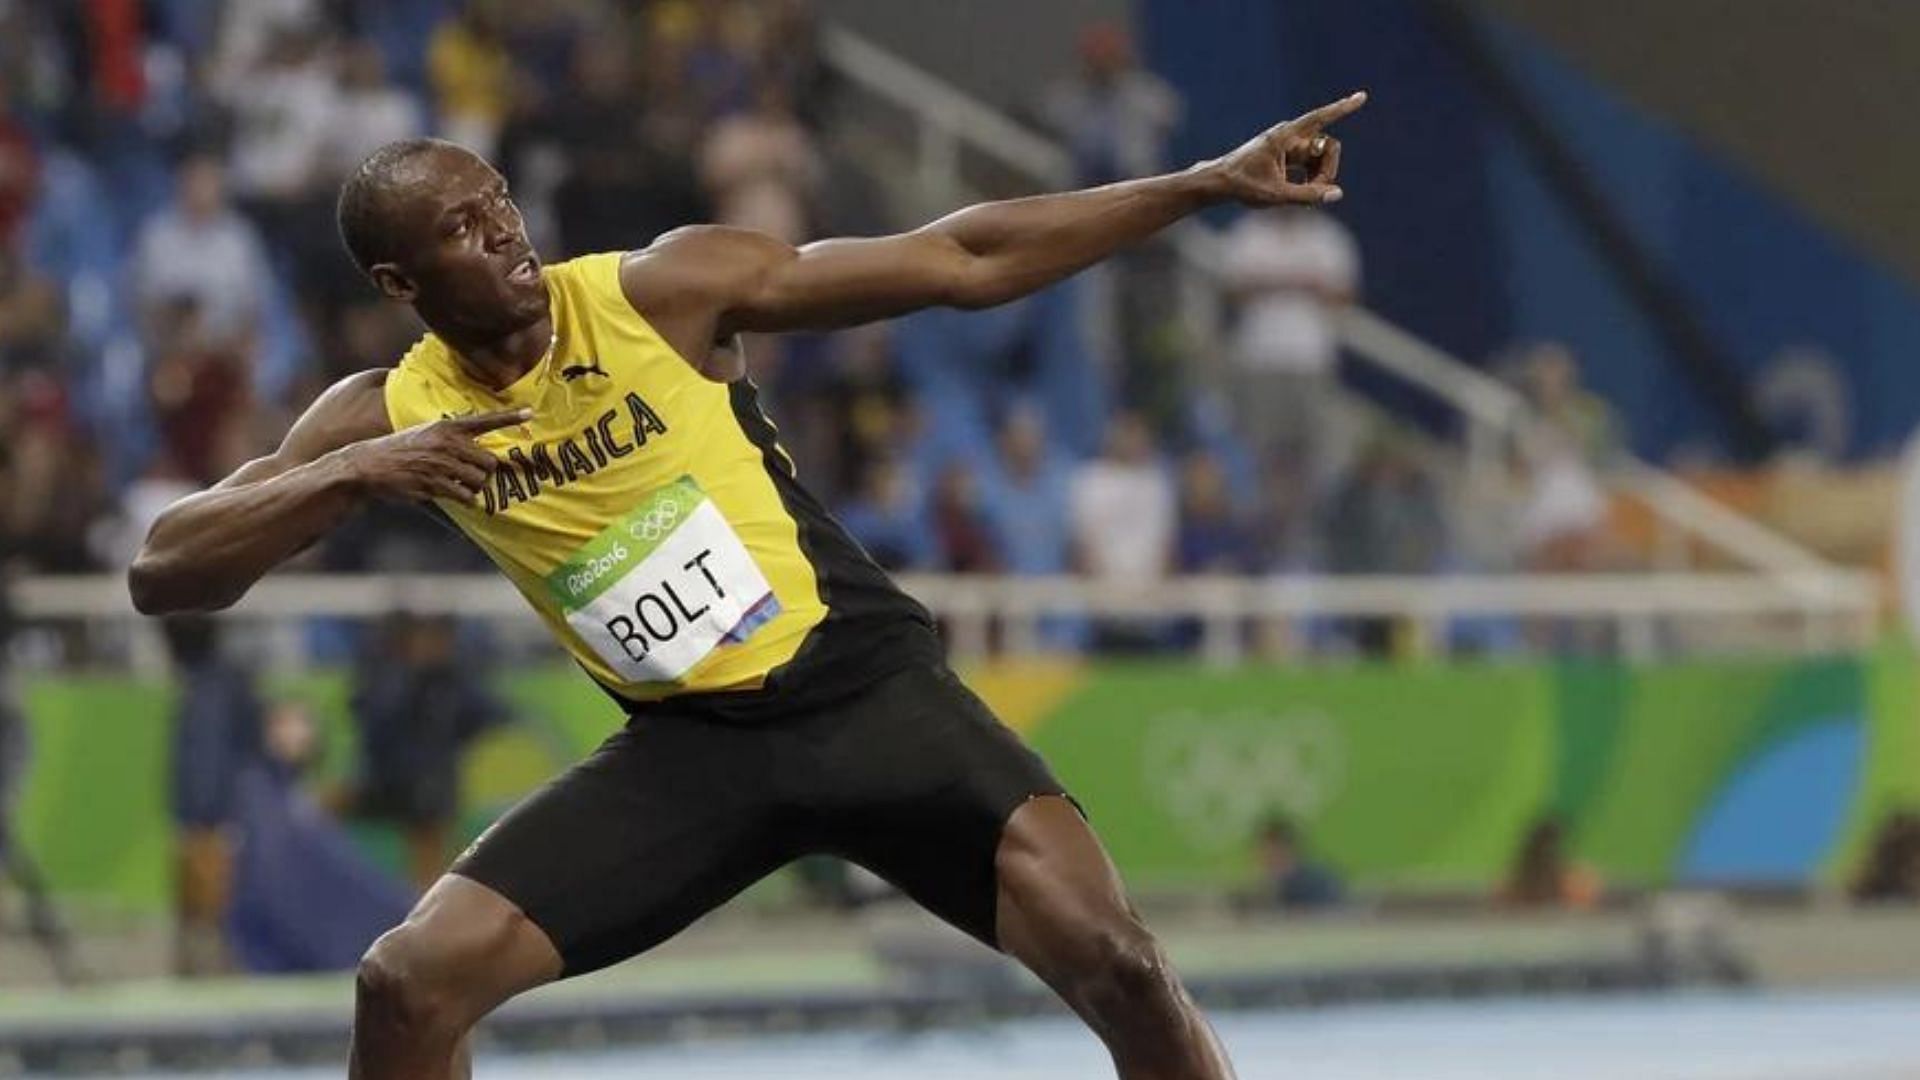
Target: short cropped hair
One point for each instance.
(364, 198)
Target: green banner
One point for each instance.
(1404, 773)
(1416, 777)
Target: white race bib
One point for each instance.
(662, 587)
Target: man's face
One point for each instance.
(468, 262)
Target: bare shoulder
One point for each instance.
(698, 265)
(351, 410)
(687, 283)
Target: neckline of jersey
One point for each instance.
(524, 386)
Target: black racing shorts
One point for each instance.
(911, 777)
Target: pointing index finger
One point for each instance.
(1328, 113)
(481, 423)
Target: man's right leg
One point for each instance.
(462, 951)
(666, 821)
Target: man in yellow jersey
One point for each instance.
(588, 425)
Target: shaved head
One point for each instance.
(371, 196)
(434, 226)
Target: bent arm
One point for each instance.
(205, 551)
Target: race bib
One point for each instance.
(663, 586)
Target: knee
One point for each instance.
(400, 986)
(1126, 971)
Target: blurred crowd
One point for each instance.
(172, 293)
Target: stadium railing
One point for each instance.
(1645, 616)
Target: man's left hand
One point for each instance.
(1295, 162)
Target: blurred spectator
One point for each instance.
(1122, 506)
(1891, 871)
(1290, 270)
(718, 60)
(672, 116)
(32, 316)
(1573, 435)
(790, 55)
(103, 46)
(199, 392)
(1027, 503)
(1551, 380)
(305, 898)
(887, 519)
(16, 864)
(201, 251)
(285, 110)
(19, 173)
(1286, 531)
(1114, 117)
(248, 33)
(859, 409)
(617, 187)
(1545, 876)
(50, 483)
(160, 484)
(760, 168)
(1122, 509)
(543, 38)
(417, 711)
(472, 77)
(31, 68)
(1384, 517)
(369, 113)
(1289, 878)
(1805, 398)
(216, 735)
(1212, 539)
(965, 541)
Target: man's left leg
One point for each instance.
(918, 781)
(1064, 914)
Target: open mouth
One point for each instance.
(525, 272)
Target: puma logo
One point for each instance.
(586, 367)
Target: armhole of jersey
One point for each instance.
(387, 388)
(611, 291)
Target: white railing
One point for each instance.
(950, 119)
(1648, 615)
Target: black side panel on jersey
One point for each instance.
(872, 628)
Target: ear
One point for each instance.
(392, 282)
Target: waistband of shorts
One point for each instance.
(802, 689)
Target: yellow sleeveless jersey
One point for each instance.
(650, 517)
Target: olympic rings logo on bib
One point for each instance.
(657, 522)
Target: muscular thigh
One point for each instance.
(667, 820)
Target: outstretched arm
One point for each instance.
(719, 281)
(205, 551)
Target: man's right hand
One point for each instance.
(440, 460)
